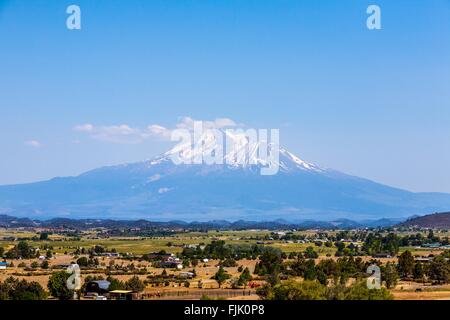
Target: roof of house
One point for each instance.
(121, 291)
(102, 284)
(3, 263)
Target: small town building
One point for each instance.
(98, 286)
(186, 275)
(121, 295)
(382, 255)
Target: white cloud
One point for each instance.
(163, 190)
(154, 177)
(33, 143)
(128, 135)
(159, 131)
(219, 123)
(114, 134)
(84, 127)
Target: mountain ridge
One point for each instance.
(158, 189)
(434, 220)
(84, 224)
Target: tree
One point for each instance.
(229, 262)
(43, 236)
(269, 262)
(34, 265)
(21, 250)
(135, 284)
(406, 264)
(13, 289)
(292, 290)
(2, 251)
(310, 253)
(57, 286)
(25, 251)
(115, 284)
(360, 291)
(322, 277)
(273, 279)
(313, 290)
(48, 254)
(244, 278)
(221, 276)
(439, 269)
(390, 275)
(44, 264)
(419, 272)
(310, 270)
(82, 262)
(328, 266)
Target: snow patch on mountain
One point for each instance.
(237, 150)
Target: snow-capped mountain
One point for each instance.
(236, 150)
(157, 189)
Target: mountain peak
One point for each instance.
(235, 150)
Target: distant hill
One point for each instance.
(435, 220)
(83, 224)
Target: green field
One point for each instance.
(141, 245)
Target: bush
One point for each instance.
(313, 290)
(57, 286)
(135, 284)
(291, 290)
(13, 289)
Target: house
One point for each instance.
(121, 295)
(3, 265)
(382, 255)
(169, 259)
(424, 259)
(186, 275)
(436, 245)
(171, 264)
(160, 256)
(191, 246)
(110, 254)
(98, 286)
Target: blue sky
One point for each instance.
(370, 103)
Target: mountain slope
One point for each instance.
(436, 220)
(158, 189)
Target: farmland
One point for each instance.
(161, 262)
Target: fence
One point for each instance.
(197, 294)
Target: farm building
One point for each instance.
(186, 275)
(382, 255)
(3, 265)
(121, 295)
(98, 286)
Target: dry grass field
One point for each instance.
(63, 248)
